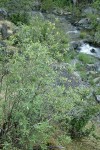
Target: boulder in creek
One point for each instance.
(92, 50)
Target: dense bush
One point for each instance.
(19, 17)
(16, 5)
(79, 118)
(32, 105)
(51, 4)
(31, 100)
(33, 108)
(47, 33)
(96, 4)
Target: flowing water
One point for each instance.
(86, 48)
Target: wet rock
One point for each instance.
(93, 50)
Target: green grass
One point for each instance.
(70, 56)
(86, 59)
(83, 35)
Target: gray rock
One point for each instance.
(98, 98)
(85, 23)
(96, 80)
(73, 34)
(4, 31)
(90, 95)
(74, 62)
(3, 14)
(94, 67)
(77, 75)
(98, 85)
(2, 44)
(91, 67)
(89, 10)
(91, 73)
(37, 14)
(97, 65)
(36, 5)
(98, 20)
(74, 44)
